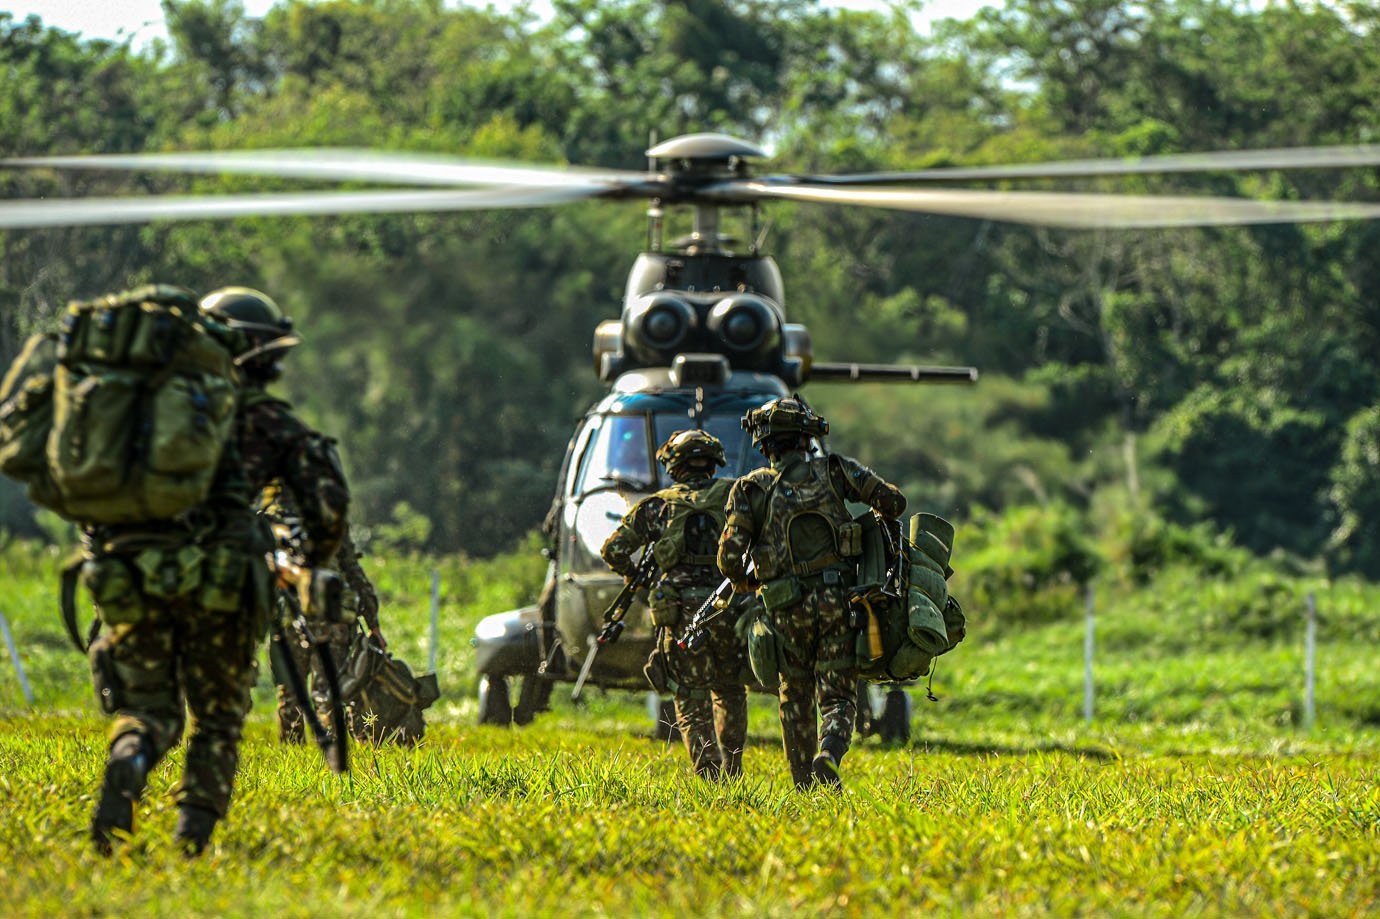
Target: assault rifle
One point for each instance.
(306, 593)
(715, 606)
(645, 577)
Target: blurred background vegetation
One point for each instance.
(1152, 402)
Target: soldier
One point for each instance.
(680, 526)
(200, 645)
(789, 520)
(280, 484)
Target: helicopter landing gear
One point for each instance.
(533, 698)
(663, 712)
(893, 726)
(495, 706)
(892, 723)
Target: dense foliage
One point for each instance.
(1215, 375)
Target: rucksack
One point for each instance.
(903, 634)
(124, 415)
(383, 700)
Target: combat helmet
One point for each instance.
(265, 331)
(686, 448)
(787, 416)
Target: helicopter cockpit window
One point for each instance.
(738, 450)
(619, 453)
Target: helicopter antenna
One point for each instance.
(759, 236)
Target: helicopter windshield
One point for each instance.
(618, 453)
(620, 450)
(742, 457)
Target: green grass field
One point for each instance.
(1195, 790)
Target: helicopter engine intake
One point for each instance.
(748, 329)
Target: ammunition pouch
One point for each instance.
(104, 676)
(780, 593)
(665, 604)
(223, 579)
(111, 583)
(764, 650)
(171, 574)
(850, 538)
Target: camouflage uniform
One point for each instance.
(281, 497)
(190, 629)
(711, 698)
(816, 639)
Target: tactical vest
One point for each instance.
(794, 506)
(685, 504)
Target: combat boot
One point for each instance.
(826, 763)
(126, 771)
(194, 827)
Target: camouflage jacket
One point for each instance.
(278, 447)
(748, 502)
(643, 526)
(347, 563)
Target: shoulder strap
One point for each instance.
(67, 603)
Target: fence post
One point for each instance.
(1310, 656)
(1088, 660)
(18, 664)
(435, 616)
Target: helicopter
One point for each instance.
(702, 335)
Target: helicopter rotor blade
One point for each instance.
(1066, 210)
(64, 212)
(341, 165)
(1334, 157)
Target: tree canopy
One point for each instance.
(1222, 375)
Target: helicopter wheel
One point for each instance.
(894, 724)
(664, 713)
(494, 704)
(866, 721)
(533, 698)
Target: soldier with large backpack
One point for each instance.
(790, 522)
(129, 422)
(680, 526)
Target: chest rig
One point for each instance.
(808, 527)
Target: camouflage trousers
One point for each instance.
(711, 696)
(179, 654)
(291, 718)
(819, 677)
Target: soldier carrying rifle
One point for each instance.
(790, 523)
(680, 527)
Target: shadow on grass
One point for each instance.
(967, 748)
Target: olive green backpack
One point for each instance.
(903, 634)
(121, 417)
(383, 700)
